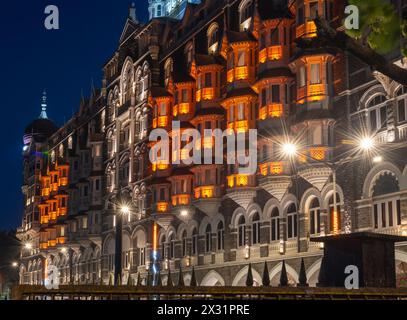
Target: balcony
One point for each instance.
(312, 92)
(62, 211)
(274, 110)
(239, 126)
(61, 240)
(159, 166)
(308, 30)
(205, 94)
(204, 192)
(44, 219)
(162, 207)
(181, 200)
(160, 122)
(238, 180)
(271, 53)
(238, 73)
(45, 192)
(271, 168)
(44, 245)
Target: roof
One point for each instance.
(41, 127)
(210, 111)
(277, 72)
(240, 92)
(207, 60)
(182, 171)
(235, 37)
(157, 92)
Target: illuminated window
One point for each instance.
(241, 58)
(315, 73)
(334, 214)
(302, 79)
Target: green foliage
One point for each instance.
(380, 25)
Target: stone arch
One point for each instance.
(291, 273)
(212, 278)
(370, 94)
(181, 228)
(204, 223)
(241, 276)
(375, 172)
(307, 197)
(252, 209)
(216, 219)
(139, 238)
(192, 225)
(236, 215)
(108, 245)
(313, 273)
(327, 192)
(269, 206)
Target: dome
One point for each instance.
(43, 127)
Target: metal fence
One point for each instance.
(25, 292)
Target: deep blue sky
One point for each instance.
(64, 62)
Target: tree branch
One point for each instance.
(340, 40)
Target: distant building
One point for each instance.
(220, 64)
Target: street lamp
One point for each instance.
(289, 149)
(14, 264)
(28, 246)
(366, 143)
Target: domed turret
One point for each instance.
(40, 128)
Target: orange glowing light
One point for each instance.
(318, 153)
(162, 206)
(155, 236)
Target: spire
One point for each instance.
(283, 276)
(302, 279)
(132, 13)
(43, 114)
(249, 279)
(266, 276)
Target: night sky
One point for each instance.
(63, 62)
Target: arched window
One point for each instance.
(213, 38)
(168, 71)
(275, 225)
(256, 229)
(315, 217)
(241, 232)
(292, 221)
(184, 244)
(189, 54)
(221, 236)
(402, 104)
(246, 12)
(334, 214)
(172, 246)
(208, 238)
(195, 242)
(377, 113)
(386, 211)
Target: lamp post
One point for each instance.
(123, 203)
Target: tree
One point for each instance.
(379, 33)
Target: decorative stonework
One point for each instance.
(242, 197)
(317, 175)
(276, 186)
(164, 220)
(209, 206)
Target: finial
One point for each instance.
(43, 114)
(132, 12)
